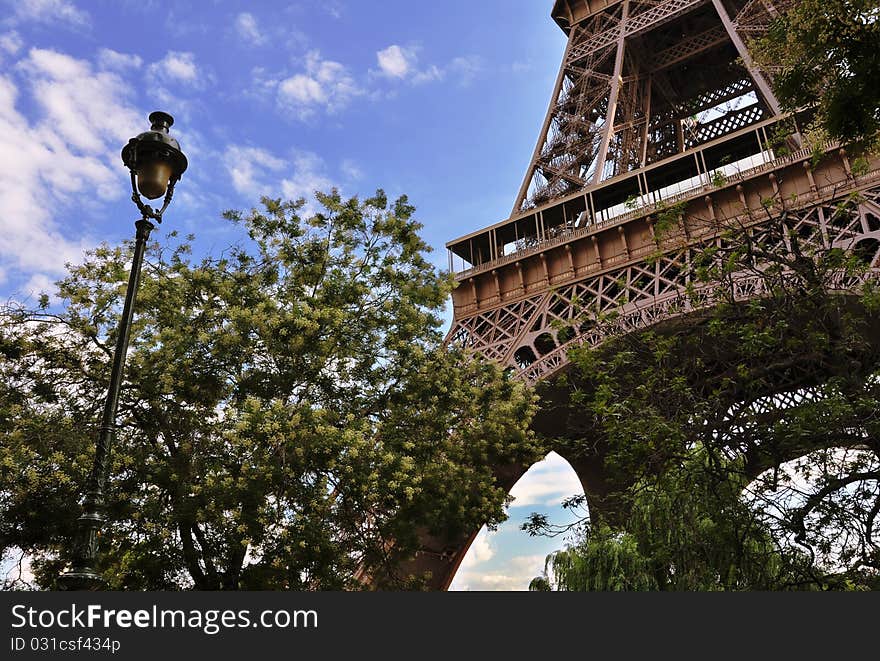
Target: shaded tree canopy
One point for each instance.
(289, 417)
(825, 52)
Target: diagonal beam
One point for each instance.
(562, 174)
(642, 22)
(757, 76)
(608, 127)
(694, 46)
(542, 137)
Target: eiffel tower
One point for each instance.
(657, 103)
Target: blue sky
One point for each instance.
(439, 100)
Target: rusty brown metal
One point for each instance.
(632, 71)
(515, 314)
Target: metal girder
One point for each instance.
(640, 22)
(619, 90)
(558, 172)
(611, 113)
(689, 48)
(654, 283)
(757, 76)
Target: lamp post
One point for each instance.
(156, 164)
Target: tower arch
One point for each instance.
(541, 489)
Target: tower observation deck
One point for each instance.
(657, 105)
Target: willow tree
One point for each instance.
(289, 419)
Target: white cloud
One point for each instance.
(173, 82)
(428, 75)
(466, 69)
(253, 32)
(51, 11)
(332, 7)
(302, 90)
(329, 86)
(74, 96)
(39, 283)
(306, 177)
(64, 158)
(516, 574)
(114, 60)
(256, 172)
(249, 30)
(177, 67)
(351, 170)
(400, 63)
(11, 42)
(396, 62)
(480, 551)
(324, 84)
(248, 167)
(547, 483)
(519, 67)
(264, 84)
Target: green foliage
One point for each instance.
(669, 216)
(825, 52)
(609, 561)
(688, 529)
(289, 419)
(860, 166)
(719, 179)
(780, 138)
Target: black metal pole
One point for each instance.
(83, 575)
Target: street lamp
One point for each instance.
(156, 164)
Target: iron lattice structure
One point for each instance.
(634, 78)
(531, 333)
(657, 105)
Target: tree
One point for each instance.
(290, 418)
(687, 529)
(744, 444)
(825, 52)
